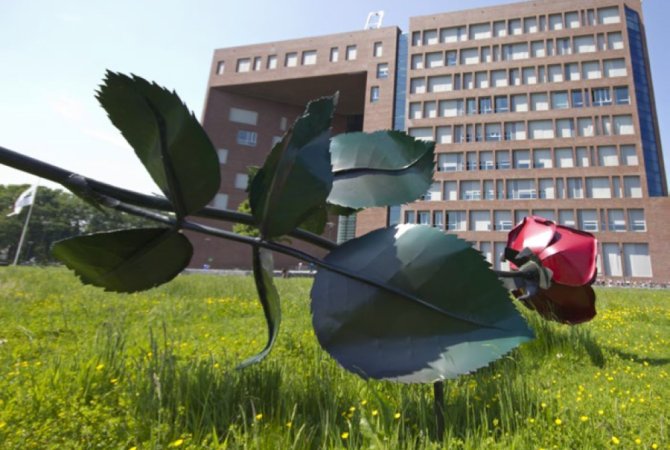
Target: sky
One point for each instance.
(54, 54)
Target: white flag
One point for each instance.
(25, 199)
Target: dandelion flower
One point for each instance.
(99, 367)
(615, 440)
(601, 412)
(289, 424)
(396, 416)
(584, 418)
(259, 416)
(374, 413)
(176, 443)
(558, 421)
(345, 435)
(638, 441)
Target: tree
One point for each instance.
(56, 215)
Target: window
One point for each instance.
(470, 106)
(377, 50)
(430, 37)
(598, 187)
(499, 78)
(493, 132)
(601, 97)
(614, 68)
(621, 96)
(572, 72)
(222, 153)
(241, 181)
(542, 158)
(564, 157)
(585, 44)
(514, 26)
(480, 31)
(450, 162)
(243, 65)
(272, 62)
(456, 220)
(515, 131)
(245, 116)
(440, 83)
(563, 46)
(374, 94)
(291, 59)
(612, 260)
(530, 25)
(469, 56)
(591, 70)
(623, 125)
(585, 127)
(572, 19)
(565, 128)
(637, 261)
(521, 159)
(631, 187)
(247, 138)
(438, 219)
(519, 103)
(452, 57)
(628, 155)
(537, 49)
(577, 99)
(220, 67)
(559, 100)
(615, 220)
(607, 156)
(470, 190)
(309, 57)
(588, 220)
(636, 220)
(410, 217)
(521, 189)
(424, 218)
(499, 29)
(382, 70)
(555, 22)
(351, 52)
(539, 102)
(540, 129)
(450, 192)
(429, 110)
(555, 73)
(417, 86)
(417, 62)
(485, 105)
(608, 15)
(334, 54)
(502, 220)
(434, 59)
(486, 160)
(220, 201)
(575, 188)
(502, 160)
(614, 41)
(501, 104)
(480, 221)
(423, 133)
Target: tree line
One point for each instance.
(56, 215)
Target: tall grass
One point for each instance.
(80, 368)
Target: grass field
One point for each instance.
(80, 368)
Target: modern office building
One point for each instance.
(543, 107)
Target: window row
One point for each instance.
(536, 188)
(537, 101)
(518, 51)
(523, 130)
(538, 158)
(519, 26)
(614, 220)
(526, 76)
(292, 59)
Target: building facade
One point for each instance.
(543, 108)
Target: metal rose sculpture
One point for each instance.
(563, 261)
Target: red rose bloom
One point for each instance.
(571, 256)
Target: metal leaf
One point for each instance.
(267, 293)
(296, 178)
(166, 137)
(465, 320)
(126, 260)
(380, 169)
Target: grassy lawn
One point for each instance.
(81, 368)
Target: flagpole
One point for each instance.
(25, 226)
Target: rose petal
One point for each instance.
(533, 232)
(571, 256)
(565, 304)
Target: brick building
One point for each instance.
(543, 107)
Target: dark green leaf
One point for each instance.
(167, 138)
(316, 222)
(126, 260)
(466, 321)
(269, 297)
(379, 169)
(296, 177)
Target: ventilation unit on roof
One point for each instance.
(374, 20)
